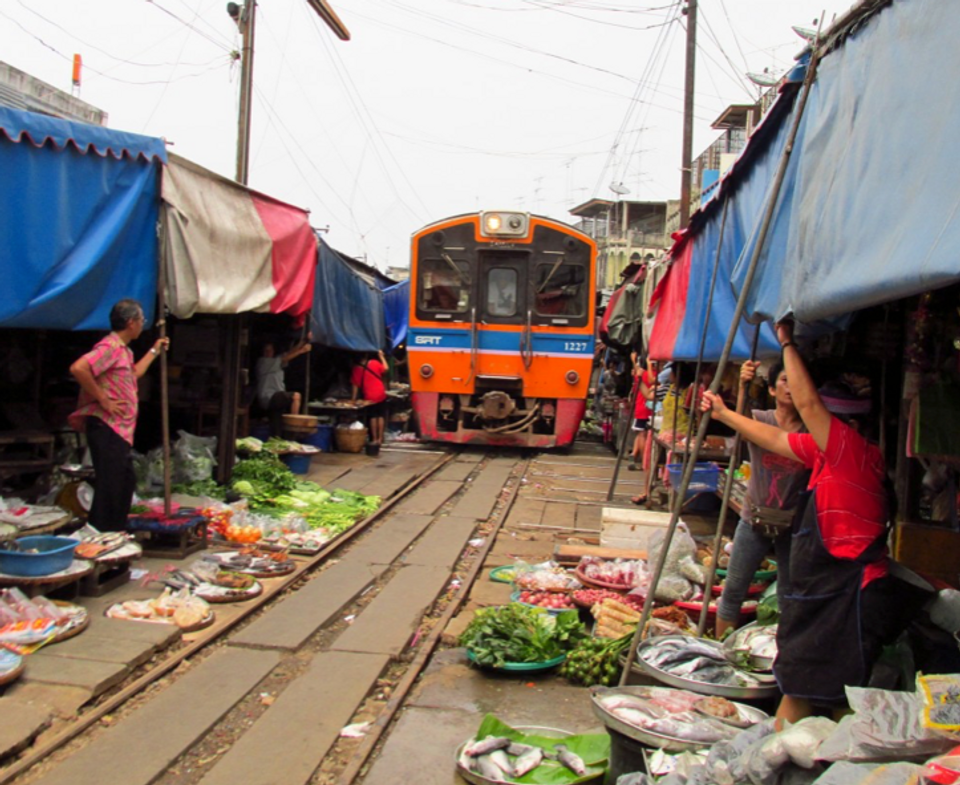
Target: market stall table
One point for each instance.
(110, 570)
(34, 585)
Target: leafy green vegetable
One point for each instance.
(206, 487)
(516, 633)
(272, 489)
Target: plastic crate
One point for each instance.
(705, 477)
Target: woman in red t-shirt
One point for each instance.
(366, 379)
(646, 382)
(842, 606)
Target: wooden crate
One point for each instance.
(630, 529)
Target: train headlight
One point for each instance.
(504, 224)
(426, 370)
(572, 377)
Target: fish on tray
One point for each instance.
(499, 759)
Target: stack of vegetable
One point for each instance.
(518, 634)
(596, 661)
(272, 489)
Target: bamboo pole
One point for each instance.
(725, 502)
(724, 357)
(164, 375)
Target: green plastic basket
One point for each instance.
(526, 667)
(503, 574)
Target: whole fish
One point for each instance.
(500, 758)
(487, 745)
(643, 705)
(692, 666)
(528, 761)
(571, 760)
(633, 717)
(487, 768)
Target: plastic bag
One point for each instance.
(682, 545)
(847, 773)
(945, 610)
(155, 468)
(945, 769)
(941, 703)
(724, 756)
(672, 588)
(692, 570)
(193, 457)
(802, 739)
(762, 761)
(885, 725)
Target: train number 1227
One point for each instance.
(575, 346)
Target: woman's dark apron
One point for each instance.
(820, 634)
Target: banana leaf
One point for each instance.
(593, 748)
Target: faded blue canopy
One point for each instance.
(396, 312)
(870, 210)
(78, 221)
(347, 306)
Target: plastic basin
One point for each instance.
(53, 554)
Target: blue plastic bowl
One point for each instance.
(53, 555)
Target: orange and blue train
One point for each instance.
(502, 329)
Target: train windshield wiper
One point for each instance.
(453, 266)
(556, 266)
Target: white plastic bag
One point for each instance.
(802, 739)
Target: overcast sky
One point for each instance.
(434, 108)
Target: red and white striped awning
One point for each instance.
(228, 249)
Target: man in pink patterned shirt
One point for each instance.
(107, 411)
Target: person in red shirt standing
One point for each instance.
(367, 382)
(107, 412)
(645, 380)
(842, 605)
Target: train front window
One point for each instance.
(444, 285)
(502, 292)
(560, 289)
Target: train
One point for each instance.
(501, 335)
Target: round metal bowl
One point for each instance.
(666, 743)
(766, 689)
(463, 763)
(757, 663)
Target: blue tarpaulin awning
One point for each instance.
(396, 312)
(78, 221)
(347, 308)
(870, 212)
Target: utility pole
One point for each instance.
(246, 22)
(686, 165)
(235, 325)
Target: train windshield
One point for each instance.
(502, 292)
(561, 289)
(444, 285)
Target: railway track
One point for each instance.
(339, 643)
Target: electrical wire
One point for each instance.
(367, 121)
(659, 49)
(105, 75)
(185, 23)
(96, 48)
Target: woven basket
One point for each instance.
(350, 439)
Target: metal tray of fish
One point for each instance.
(667, 743)
(475, 778)
(761, 658)
(763, 689)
